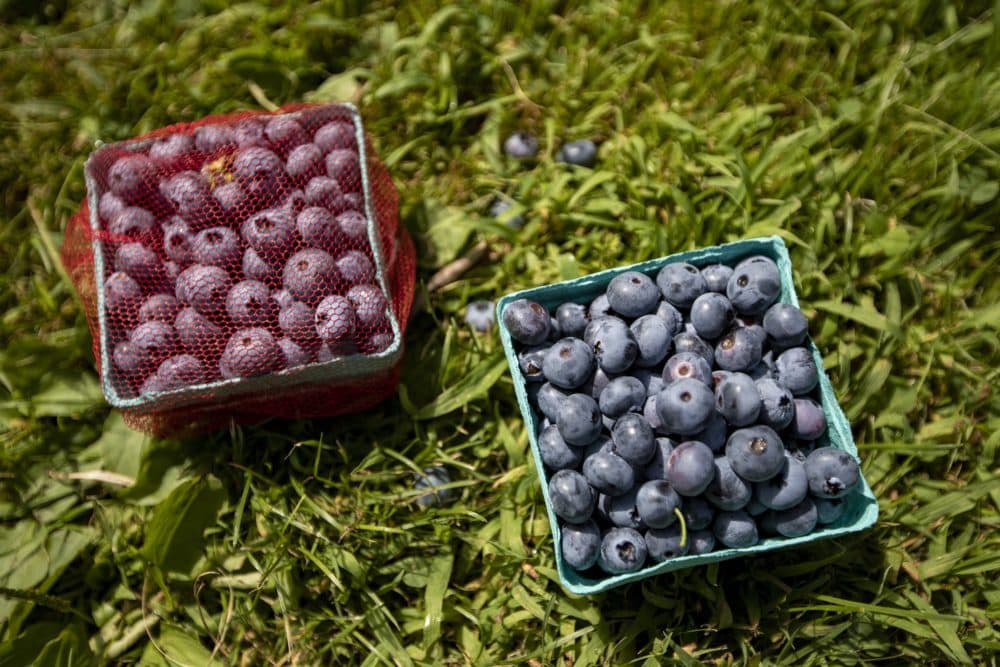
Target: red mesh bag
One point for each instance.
(242, 267)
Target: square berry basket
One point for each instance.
(244, 266)
(861, 507)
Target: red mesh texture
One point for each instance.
(236, 257)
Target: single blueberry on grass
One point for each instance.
(681, 284)
(831, 472)
(580, 544)
(633, 294)
(579, 420)
(756, 453)
(736, 529)
(480, 315)
(690, 468)
(623, 550)
(521, 145)
(568, 363)
(501, 208)
(571, 497)
(432, 478)
(526, 321)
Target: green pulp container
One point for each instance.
(862, 508)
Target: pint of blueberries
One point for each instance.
(680, 415)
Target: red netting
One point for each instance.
(239, 277)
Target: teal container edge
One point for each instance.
(862, 508)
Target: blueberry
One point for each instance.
(798, 520)
(580, 544)
(480, 315)
(755, 331)
(714, 434)
(785, 324)
(579, 420)
(796, 369)
(582, 152)
(690, 468)
(651, 380)
(656, 501)
(155, 341)
(671, 317)
(354, 227)
(687, 366)
(632, 294)
(653, 338)
(526, 321)
(344, 166)
(204, 288)
(132, 177)
(755, 508)
(756, 453)
(298, 322)
(259, 172)
(293, 353)
(599, 307)
(754, 285)
(110, 205)
(829, 510)
(634, 440)
(354, 201)
(777, 404)
(666, 543)
(230, 197)
(548, 399)
(370, 306)
(197, 333)
(760, 372)
(685, 406)
(171, 148)
(271, 232)
(609, 473)
(572, 318)
(132, 222)
(738, 350)
(689, 342)
(657, 466)
(211, 138)
(530, 361)
(809, 422)
(336, 135)
(501, 207)
(712, 315)
(555, 453)
(571, 497)
(336, 320)
(305, 161)
(432, 478)
(250, 352)
(737, 399)
(728, 491)
(249, 303)
(681, 284)
(178, 241)
(623, 550)
(597, 383)
(623, 394)
(127, 357)
(355, 267)
(615, 348)
(318, 228)
(603, 443)
(698, 512)
(622, 510)
(701, 542)
(832, 473)
(736, 529)
(521, 145)
(786, 489)
(249, 132)
(179, 371)
(652, 415)
(255, 268)
(140, 262)
(285, 133)
(189, 194)
(325, 192)
(159, 307)
(716, 277)
(218, 246)
(309, 275)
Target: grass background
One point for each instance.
(864, 133)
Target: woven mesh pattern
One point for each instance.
(242, 267)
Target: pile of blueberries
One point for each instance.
(239, 250)
(679, 415)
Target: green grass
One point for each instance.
(866, 134)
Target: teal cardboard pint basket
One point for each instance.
(861, 506)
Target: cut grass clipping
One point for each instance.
(865, 135)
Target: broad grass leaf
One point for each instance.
(472, 386)
(176, 647)
(174, 533)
